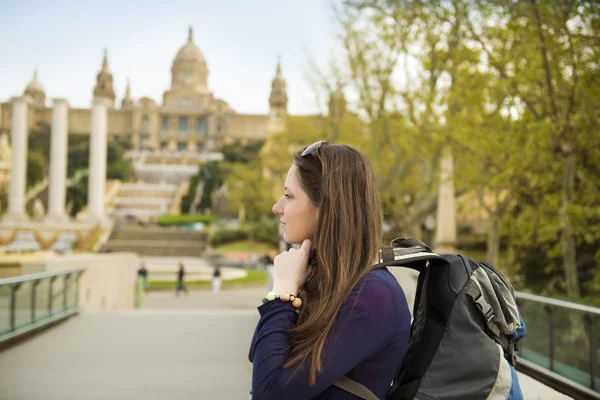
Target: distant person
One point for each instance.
(180, 284)
(143, 273)
(216, 281)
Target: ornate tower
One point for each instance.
(278, 102)
(104, 83)
(127, 102)
(35, 90)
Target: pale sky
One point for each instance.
(240, 40)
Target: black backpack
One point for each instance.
(464, 333)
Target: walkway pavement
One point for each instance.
(188, 347)
(204, 299)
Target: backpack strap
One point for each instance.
(355, 388)
(403, 242)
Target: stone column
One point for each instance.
(58, 161)
(445, 234)
(97, 166)
(18, 172)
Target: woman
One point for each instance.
(336, 316)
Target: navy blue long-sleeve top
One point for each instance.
(367, 343)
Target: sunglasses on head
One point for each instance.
(312, 149)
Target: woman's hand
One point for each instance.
(291, 270)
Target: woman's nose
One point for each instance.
(277, 209)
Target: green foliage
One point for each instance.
(238, 153)
(36, 168)
(228, 236)
(263, 232)
(510, 88)
(77, 195)
(246, 189)
(117, 166)
(184, 219)
(212, 176)
(79, 152)
(249, 246)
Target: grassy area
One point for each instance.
(249, 246)
(253, 278)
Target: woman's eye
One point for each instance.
(287, 196)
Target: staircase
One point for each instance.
(144, 200)
(156, 241)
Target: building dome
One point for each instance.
(189, 71)
(189, 51)
(35, 90)
(34, 85)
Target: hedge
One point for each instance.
(264, 232)
(227, 236)
(184, 219)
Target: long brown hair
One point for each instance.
(340, 181)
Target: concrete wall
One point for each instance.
(109, 282)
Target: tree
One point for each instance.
(246, 192)
(36, 168)
(552, 72)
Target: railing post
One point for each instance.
(549, 310)
(66, 291)
(590, 318)
(52, 278)
(34, 286)
(13, 305)
(77, 288)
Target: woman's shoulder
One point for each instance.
(381, 277)
(379, 290)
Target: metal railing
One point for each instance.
(562, 346)
(30, 302)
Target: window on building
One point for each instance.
(199, 147)
(145, 123)
(165, 124)
(201, 126)
(182, 146)
(183, 124)
(164, 145)
(187, 78)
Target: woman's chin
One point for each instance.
(295, 241)
(289, 239)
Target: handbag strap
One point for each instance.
(355, 388)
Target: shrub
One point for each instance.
(265, 232)
(184, 219)
(227, 236)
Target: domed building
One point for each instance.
(35, 90)
(190, 119)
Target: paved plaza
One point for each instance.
(177, 348)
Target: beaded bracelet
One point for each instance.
(296, 301)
